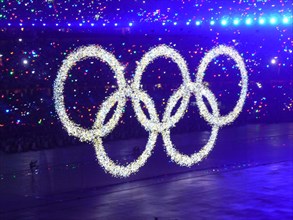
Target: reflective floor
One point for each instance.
(248, 175)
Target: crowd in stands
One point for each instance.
(29, 63)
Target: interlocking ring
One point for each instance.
(133, 91)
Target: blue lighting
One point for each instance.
(7, 110)
(261, 21)
(248, 21)
(236, 21)
(224, 22)
(273, 20)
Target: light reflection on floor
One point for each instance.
(246, 176)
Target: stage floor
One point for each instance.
(247, 175)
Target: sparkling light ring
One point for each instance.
(226, 119)
(183, 159)
(153, 124)
(150, 56)
(75, 129)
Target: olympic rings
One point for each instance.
(134, 92)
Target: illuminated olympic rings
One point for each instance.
(134, 92)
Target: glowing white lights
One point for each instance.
(285, 20)
(273, 20)
(224, 22)
(248, 21)
(133, 91)
(236, 21)
(261, 21)
(259, 85)
(273, 61)
(24, 61)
